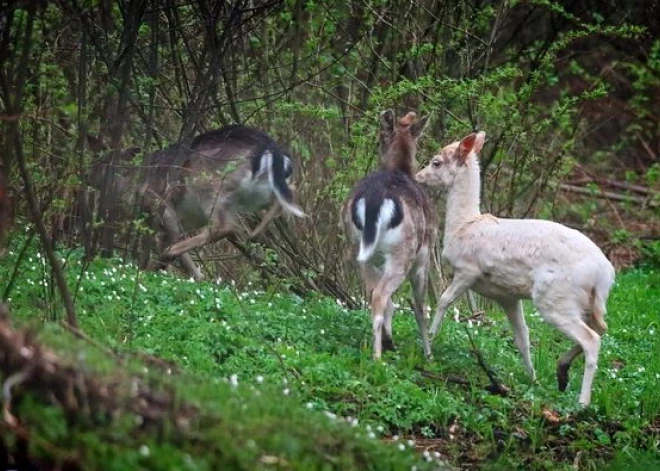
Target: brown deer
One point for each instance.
(393, 220)
(208, 181)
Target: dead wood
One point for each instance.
(597, 193)
(27, 367)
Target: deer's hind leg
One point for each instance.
(419, 277)
(382, 308)
(171, 232)
(566, 316)
(274, 211)
(372, 275)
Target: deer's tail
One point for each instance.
(598, 311)
(277, 175)
(373, 218)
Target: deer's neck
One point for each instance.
(401, 157)
(463, 200)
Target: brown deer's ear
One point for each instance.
(418, 127)
(465, 147)
(387, 121)
(95, 144)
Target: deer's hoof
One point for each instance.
(562, 377)
(388, 344)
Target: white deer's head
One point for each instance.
(453, 160)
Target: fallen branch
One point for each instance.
(614, 184)
(496, 386)
(447, 379)
(597, 193)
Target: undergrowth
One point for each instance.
(312, 358)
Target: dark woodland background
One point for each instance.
(567, 93)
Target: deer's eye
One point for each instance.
(436, 163)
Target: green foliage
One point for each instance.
(316, 75)
(649, 253)
(315, 354)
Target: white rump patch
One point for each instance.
(360, 211)
(266, 162)
(385, 216)
(386, 213)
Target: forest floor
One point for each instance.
(173, 373)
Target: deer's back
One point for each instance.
(521, 256)
(409, 197)
(219, 157)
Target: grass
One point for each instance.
(313, 357)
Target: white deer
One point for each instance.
(565, 274)
(392, 219)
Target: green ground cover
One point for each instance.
(298, 363)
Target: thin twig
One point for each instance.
(496, 386)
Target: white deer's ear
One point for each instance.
(387, 121)
(418, 127)
(465, 147)
(479, 143)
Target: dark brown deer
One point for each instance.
(393, 220)
(205, 183)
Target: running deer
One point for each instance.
(208, 181)
(392, 219)
(564, 273)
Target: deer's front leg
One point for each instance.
(274, 211)
(221, 226)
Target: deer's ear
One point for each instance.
(479, 142)
(387, 121)
(418, 127)
(465, 147)
(95, 144)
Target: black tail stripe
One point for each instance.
(279, 175)
(371, 211)
(373, 203)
